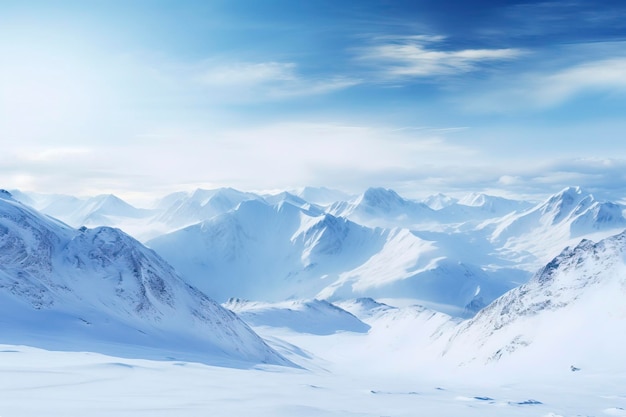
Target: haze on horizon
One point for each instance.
(147, 97)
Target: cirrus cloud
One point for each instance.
(257, 81)
(418, 57)
(534, 90)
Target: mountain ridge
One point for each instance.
(576, 295)
(103, 285)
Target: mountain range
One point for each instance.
(359, 265)
(456, 257)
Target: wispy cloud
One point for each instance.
(249, 73)
(418, 56)
(604, 75)
(243, 81)
(61, 154)
(603, 176)
(539, 91)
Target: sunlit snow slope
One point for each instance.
(99, 289)
(571, 313)
(273, 252)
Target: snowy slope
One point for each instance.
(479, 206)
(277, 252)
(267, 252)
(38, 383)
(384, 208)
(101, 210)
(497, 205)
(533, 237)
(439, 201)
(446, 285)
(55, 205)
(183, 209)
(572, 313)
(365, 308)
(89, 288)
(305, 316)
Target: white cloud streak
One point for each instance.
(249, 73)
(604, 75)
(257, 81)
(539, 91)
(417, 57)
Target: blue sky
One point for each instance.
(146, 97)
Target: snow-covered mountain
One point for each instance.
(321, 196)
(183, 209)
(439, 201)
(456, 258)
(571, 313)
(479, 206)
(385, 208)
(552, 346)
(400, 336)
(276, 252)
(286, 197)
(534, 236)
(101, 210)
(305, 316)
(267, 252)
(171, 212)
(55, 205)
(95, 289)
(493, 204)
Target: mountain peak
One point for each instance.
(569, 193)
(439, 201)
(373, 192)
(383, 198)
(474, 199)
(285, 196)
(110, 199)
(568, 200)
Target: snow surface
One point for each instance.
(392, 370)
(60, 384)
(305, 316)
(550, 347)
